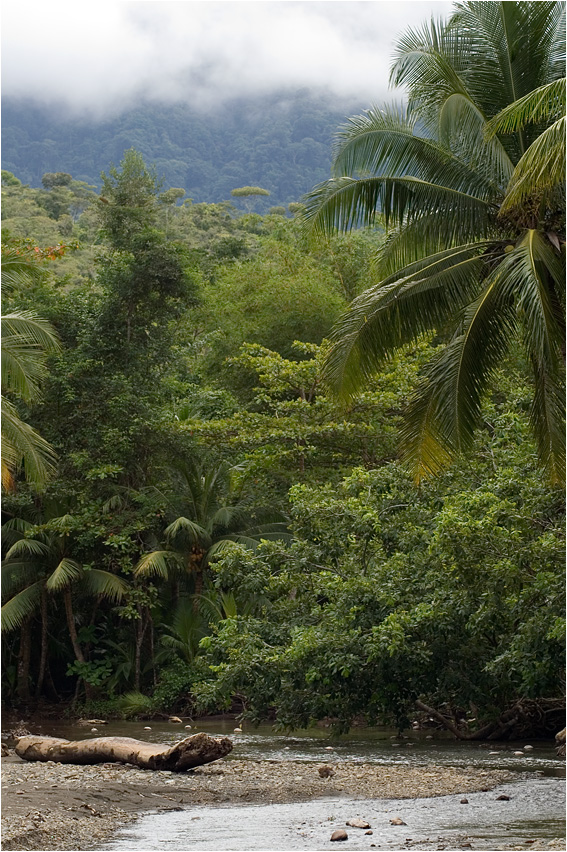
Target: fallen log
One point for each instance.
(190, 752)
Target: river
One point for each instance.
(535, 810)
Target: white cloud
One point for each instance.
(103, 56)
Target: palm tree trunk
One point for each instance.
(79, 656)
(44, 645)
(141, 626)
(24, 657)
(198, 590)
(71, 625)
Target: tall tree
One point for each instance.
(468, 180)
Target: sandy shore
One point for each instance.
(53, 806)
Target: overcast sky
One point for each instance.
(101, 57)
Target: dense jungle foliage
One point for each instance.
(280, 142)
(217, 529)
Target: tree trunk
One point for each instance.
(79, 656)
(193, 751)
(44, 647)
(24, 657)
(141, 625)
(196, 568)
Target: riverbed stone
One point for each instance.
(339, 834)
(326, 771)
(357, 823)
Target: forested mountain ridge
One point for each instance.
(281, 142)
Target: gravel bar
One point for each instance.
(67, 807)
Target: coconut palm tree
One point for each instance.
(26, 341)
(214, 513)
(38, 565)
(467, 180)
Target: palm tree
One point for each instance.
(214, 513)
(26, 341)
(38, 565)
(468, 181)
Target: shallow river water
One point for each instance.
(534, 812)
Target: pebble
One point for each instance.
(188, 727)
(147, 728)
(518, 753)
(237, 731)
(528, 748)
(397, 821)
(464, 802)
(357, 823)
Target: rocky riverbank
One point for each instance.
(53, 806)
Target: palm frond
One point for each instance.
(428, 62)
(15, 529)
(421, 240)
(344, 203)
(227, 517)
(183, 533)
(19, 268)
(158, 563)
(544, 104)
(105, 584)
(548, 421)
(500, 72)
(17, 609)
(541, 169)
(17, 574)
(399, 311)
(68, 571)
(526, 272)
(30, 547)
(21, 444)
(383, 142)
(462, 129)
(26, 340)
(445, 410)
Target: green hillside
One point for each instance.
(281, 142)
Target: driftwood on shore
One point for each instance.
(190, 752)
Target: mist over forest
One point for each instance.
(281, 142)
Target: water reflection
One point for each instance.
(368, 745)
